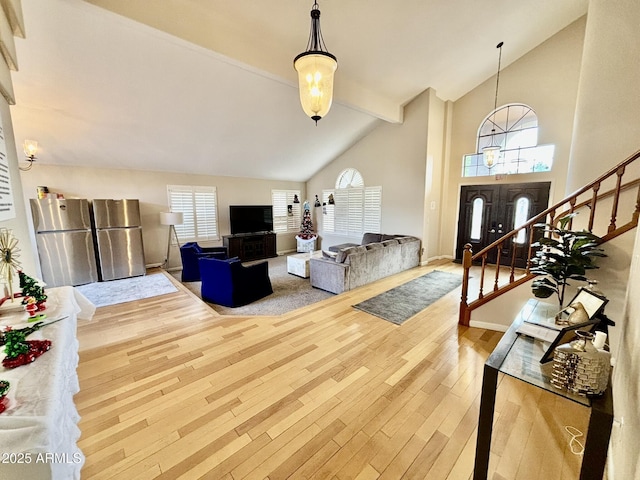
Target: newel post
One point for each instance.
(465, 314)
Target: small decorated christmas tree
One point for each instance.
(306, 228)
(30, 288)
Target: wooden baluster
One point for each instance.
(495, 284)
(484, 264)
(636, 213)
(465, 314)
(530, 252)
(552, 220)
(572, 202)
(594, 200)
(616, 197)
(514, 248)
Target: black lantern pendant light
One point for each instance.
(491, 154)
(315, 68)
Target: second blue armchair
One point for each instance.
(229, 283)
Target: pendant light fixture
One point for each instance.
(315, 68)
(492, 153)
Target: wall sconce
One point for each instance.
(30, 149)
(171, 219)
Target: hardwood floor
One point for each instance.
(170, 389)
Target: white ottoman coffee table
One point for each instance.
(299, 264)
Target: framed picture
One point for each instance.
(592, 302)
(565, 335)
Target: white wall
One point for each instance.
(394, 157)
(151, 189)
(18, 225)
(607, 130)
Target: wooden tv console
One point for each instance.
(250, 246)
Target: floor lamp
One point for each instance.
(171, 219)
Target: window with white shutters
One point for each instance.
(286, 214)
(372, 211)
(199, 208)
(328, 212)
(357, 209)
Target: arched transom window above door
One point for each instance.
(514, 128)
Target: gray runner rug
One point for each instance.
(401, 303)
(113, 292)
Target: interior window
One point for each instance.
(514, 128)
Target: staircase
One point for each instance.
(608, 207)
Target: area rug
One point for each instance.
(290, 292)
(113, 292)
(403, 302)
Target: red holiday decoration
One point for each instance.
(36, 348)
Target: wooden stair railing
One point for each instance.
(569, 205)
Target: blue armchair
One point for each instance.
(229, 283)
(191, 252)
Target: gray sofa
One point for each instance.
(357, 265)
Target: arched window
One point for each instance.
(520, 216)
(477, 211)
(348, 178)
(356, 209)
(514, 128)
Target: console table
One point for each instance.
(251, 246)
(519, 357)
(39, 429)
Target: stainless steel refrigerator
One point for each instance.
(65, 241)
(118, 238)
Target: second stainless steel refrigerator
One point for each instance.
(118, 238)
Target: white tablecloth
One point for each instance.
(39, 430)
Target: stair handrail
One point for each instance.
(468, 257)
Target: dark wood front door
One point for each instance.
(487, 212)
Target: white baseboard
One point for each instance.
(433, 259)
(488, 326)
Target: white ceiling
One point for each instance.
(211, 89)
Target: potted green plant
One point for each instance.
(561, 256)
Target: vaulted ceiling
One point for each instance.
(208, 86)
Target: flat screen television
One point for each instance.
(250, 218)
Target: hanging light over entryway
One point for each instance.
(492, 153)
(315, 68)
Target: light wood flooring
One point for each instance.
(170, 389)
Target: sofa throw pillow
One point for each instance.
(354, 251)
(370, 238)
(405, 239)
(388, 237)
(342, 254)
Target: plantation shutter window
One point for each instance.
(357, 209)
(328, 211)
(284, 220)
(372, 209)
(199, 207)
